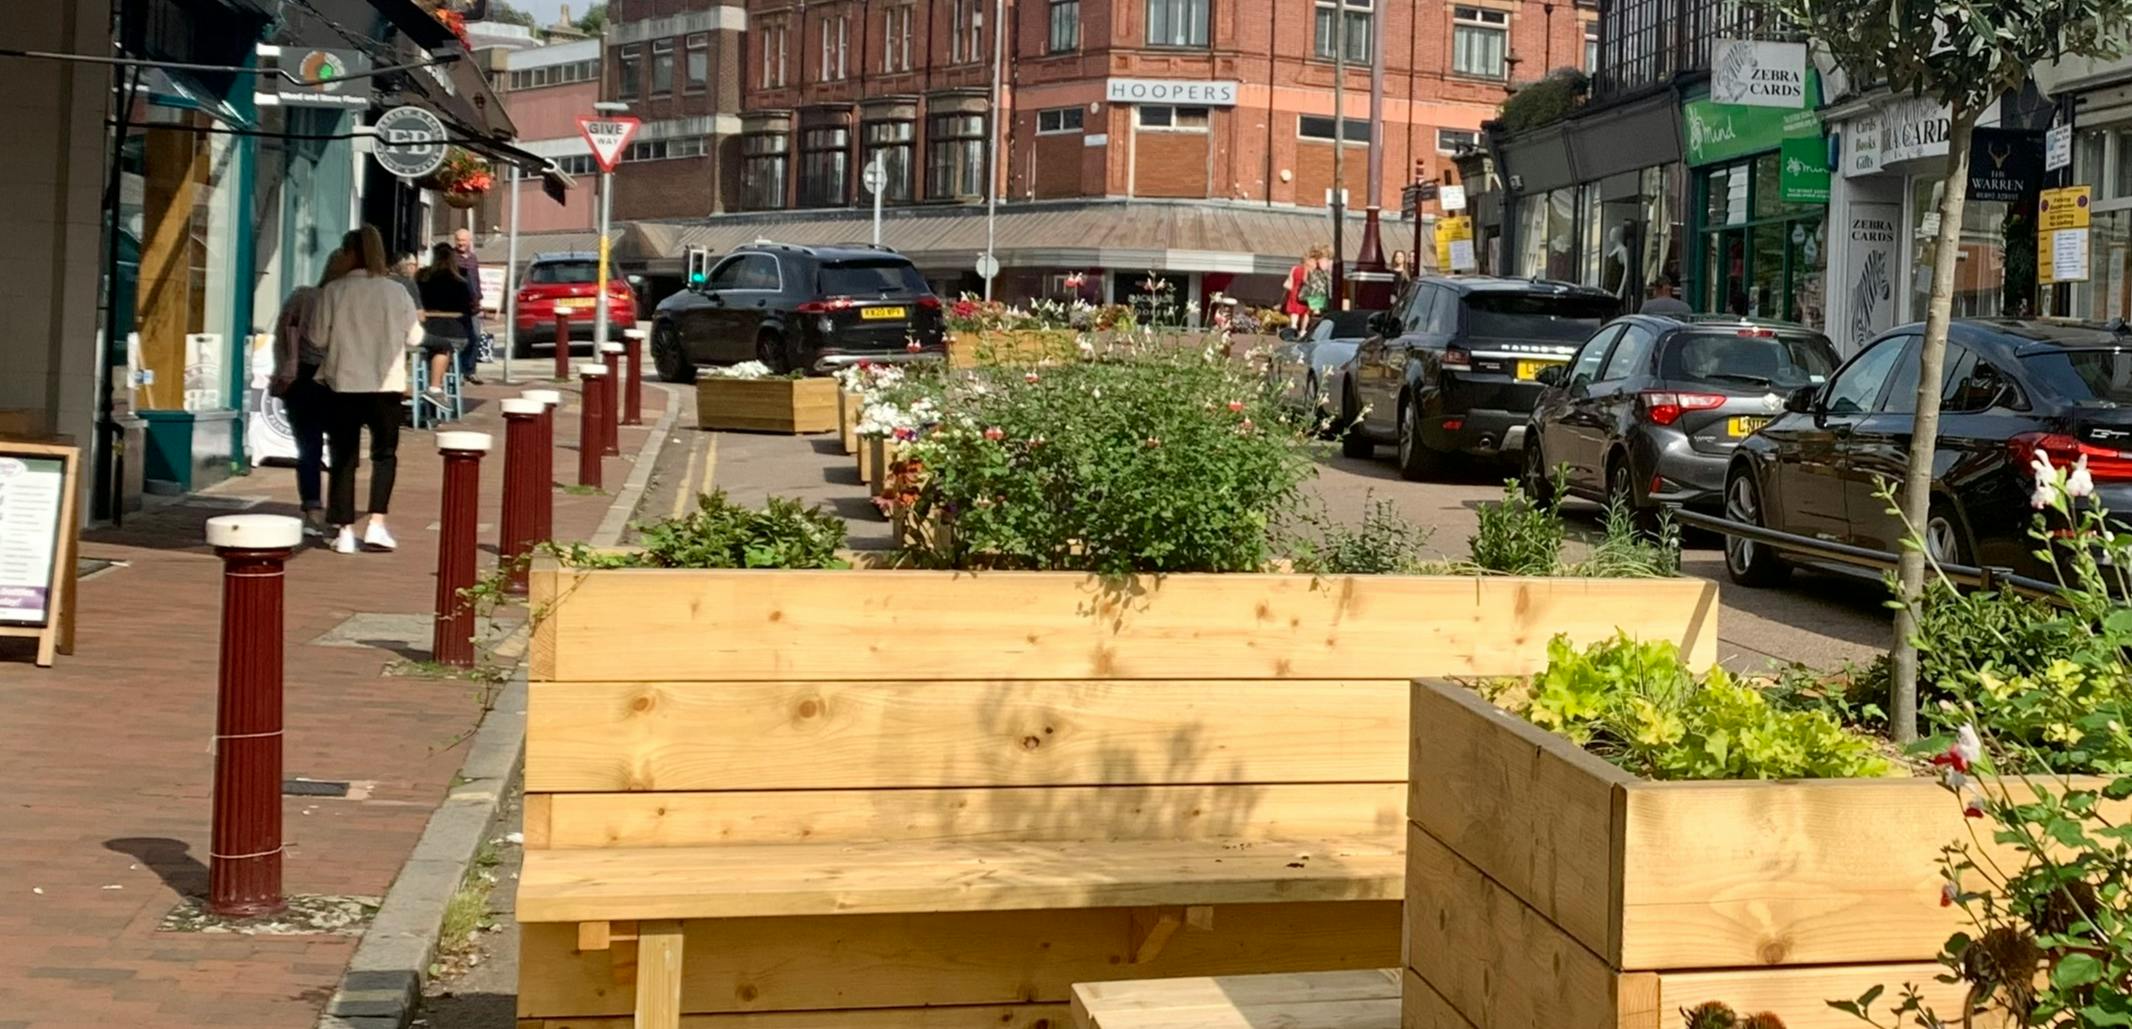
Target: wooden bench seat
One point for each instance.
(901, 877)
(1367, 999)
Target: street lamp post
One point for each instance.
(989, 267)
(599, 317)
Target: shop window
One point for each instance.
(890, 142)
(955, 156)
(1058, 120)
(1980, 275)
(762, 171)
(1328, 36)
(1548, 235)
(662, 67)
(1455, 141)
(1065, 26)
(1177, 22)
(896, 39)
(628, 71)
(1178, 119)
(1480, 38)
(699, 62)
(1311, 126)
(825, 167)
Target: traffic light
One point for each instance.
(1421, 170)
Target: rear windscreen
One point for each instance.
(1530, 316)
(871, 279)
(548, 272)
(2083, 376)
(1774, 362)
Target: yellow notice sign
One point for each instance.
(1454, 243)
(2062, 220)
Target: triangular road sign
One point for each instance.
(607, 136)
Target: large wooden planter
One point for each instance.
(1547, 887)
(1016, 346)
(845, 708)
(850, 406)
(788, 406)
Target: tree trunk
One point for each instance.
(1917, 478)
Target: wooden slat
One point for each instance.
(634, 625)
(1500, 964)
(803, 879)
(1306, 1000)
(1002, 957)
(827, 735)
(536, 818)
(1251, 812)
(544, 584)
(659, 956)
(1002, 1016)
(1374, 1013)
(1531, 810)
(1421, 1007)
(1800, 996)
(767, 405)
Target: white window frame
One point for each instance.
(624, 58)
(1481, 19)
(1591, 47)
(1191, 14)
(1338, 129)
(1472, 138)
(1175, 110)
(1052, 24)
(1059, 128)
(1343, 8)
(896, 39)
(836, 38)
(660, 48)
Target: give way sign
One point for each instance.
(607, 136)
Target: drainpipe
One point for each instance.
(1273, 32)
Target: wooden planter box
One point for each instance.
(1547, 887)
(849, 407)
(1018, 346)
(788, 406)
(876, 454)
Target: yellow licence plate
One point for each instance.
(881, 314)
(1744, 426)
(572, 305)
(1530, 370)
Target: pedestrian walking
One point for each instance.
(470, 271)
(308, 405)
(1663, 299)
(445, 310)
(366, 323)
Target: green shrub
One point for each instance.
(1544, 102)
(1637, 705)
(1517, 536)
(1385, 543)
(1626, 551)
(722, 534)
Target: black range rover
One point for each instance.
(811, 309)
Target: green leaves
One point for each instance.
(2076, 969)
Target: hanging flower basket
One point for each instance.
(461, 179)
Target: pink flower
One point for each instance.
(906, 433)
(1035, 442)
(1243, 428)
(1151, 443)
(995, 434)
(1975, 809)
(1030, 378)
(1961, 755)
(1947, 895)
(914, 346)
(1236, 407)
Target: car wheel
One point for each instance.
(770, 349)
(669, 357)
(1945, 542)
(1319, 425)
(1417, 463)
(1748, 562)
(1538, 485)
(1621, 492)
(1353, 442)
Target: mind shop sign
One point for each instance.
(1191, 92)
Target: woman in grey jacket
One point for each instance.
(365, 321)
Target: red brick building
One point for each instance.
(678, 65)
(548, 88)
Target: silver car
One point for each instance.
(1310, 372)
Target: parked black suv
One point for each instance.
(813, 309)
(1455, 366)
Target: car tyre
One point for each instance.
(1417, 463)
(770, 349)
(1621, 491)
(670, 358)
(1748, 562)
(1538, 485)
(1946, 541)
(1354, 442)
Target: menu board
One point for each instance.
(32, 492)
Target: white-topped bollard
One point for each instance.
(458, 526)
(244, 852)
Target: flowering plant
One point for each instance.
(463, 174)
(743, 370)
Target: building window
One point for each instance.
(890, 143)
(667, 149)
(1065, 25)
(1311, 126)
(896, 39)
(1357, 13)
(574, 165)
(1452, 141)
(762, 171)
(1591, 50)
(1058, 120)
(955, 156)
(662, 67)
(628, 66)
(966, 31)
(1177, 22)
(699, 62)
(836, 43)
(773, 54)
(1479, 38)
(1183, 119)
(825, 167)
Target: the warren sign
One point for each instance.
(410, 142)
(1758, 74)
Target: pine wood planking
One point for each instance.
(1800, 996)
(852, 735)
(896, 961)
(790, 406)
(1359, 999)
(1421, 1007)
(1135, 812)
(850, 406)
(1529, 808)
(659, 624)
(808, 879)
(1002, 1016)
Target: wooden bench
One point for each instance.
(737, 814)
(1367, 999)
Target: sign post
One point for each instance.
(875, 179)
(608, 135)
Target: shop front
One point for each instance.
(1758, 209)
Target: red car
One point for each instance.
(569, 281)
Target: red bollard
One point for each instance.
(244, 855)
(611, 433)
(562, 345)
(633, 396)
(544, 492)
(522, 482)
(591, 417)
(453, 642)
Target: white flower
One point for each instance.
(743, 370)
(1967, 744)
(2078, 483)
(2040, 466)
(2045, 493)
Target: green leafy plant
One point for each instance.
(721, 534)
(1636, 704)
(1384, 543)
(1544, 102)
(1717, 1015)
(1626, 551)
(1517, 536)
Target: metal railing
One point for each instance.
(1974, 576)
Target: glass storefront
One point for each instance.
(1760, 256)
(1618, 243)
(1980, 276)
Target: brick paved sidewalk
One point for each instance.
(105, 767)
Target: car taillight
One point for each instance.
(2104, 464)
(1458, 358)
(1664, 407)
(929, 302)
(824, 306)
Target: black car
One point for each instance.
(811, 309)
(1455, 368)
(2011, 389)
(1650, 410)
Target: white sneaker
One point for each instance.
(376, 538)
(436, 391)
(345, 542)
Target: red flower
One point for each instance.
(1974, 810)
(1236, 407)
(995, 434)
(1953, 758)
(1947, 895)
(1030, 378)
(914, 346)
(906, 434)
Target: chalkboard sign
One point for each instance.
(37, 527)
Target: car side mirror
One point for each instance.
(1552, 375)
(1803, 400)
